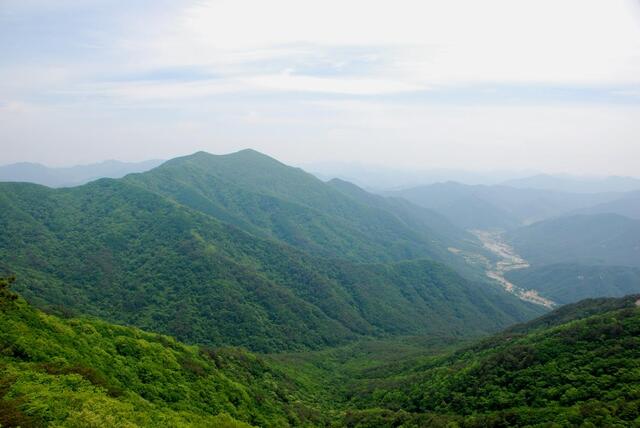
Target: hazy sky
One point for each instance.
(551, 85)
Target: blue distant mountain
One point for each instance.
(568, 183)
(74, 175)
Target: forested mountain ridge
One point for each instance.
(577, 367)
(114, 249)
(267, 198)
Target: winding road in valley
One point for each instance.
(508, 260)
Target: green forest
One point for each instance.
(156, 250)
(236, 291)
(576, 367)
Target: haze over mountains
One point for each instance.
(571, 184)
(384, 178)
(506, 207)
(72, 176)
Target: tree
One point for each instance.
(5, 292)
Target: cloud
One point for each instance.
(455, 83)
(458, 41)
(363, 86)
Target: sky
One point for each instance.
(543, 85)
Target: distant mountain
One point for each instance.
(571, 184)
(381, 178)
(627, 205)
(604, 239)
(484, 207)
(571, 282)
(240, 249)
(72, 176)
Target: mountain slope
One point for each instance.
(606, 239)
(449, 240)
(570, 282)
(580, 371)
(84, 372)
(460, 204)
(116, 250)
(269, 199)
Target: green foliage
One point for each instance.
(575, 311)
(264, 197)
(5, 293)
(579, 373)
(141, 251)
(577, 366)
(82, 372)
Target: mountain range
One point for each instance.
(498, 206)
(573, 184)
(237, 291)
(240, 249)
(71, 176)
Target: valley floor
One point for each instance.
(508, 260)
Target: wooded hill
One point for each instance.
(242, 250)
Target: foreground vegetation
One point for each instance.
(577, 366)
(86, 372)
(571, 368)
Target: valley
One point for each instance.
(507, 261)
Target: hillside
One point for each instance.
(581, 371)
(570, 282)
(266, 198)
(605, 239)
(86, 372)
(117, 250)
(572, 366)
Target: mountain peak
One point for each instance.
(243, 155)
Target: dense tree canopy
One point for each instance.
(141, 251)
